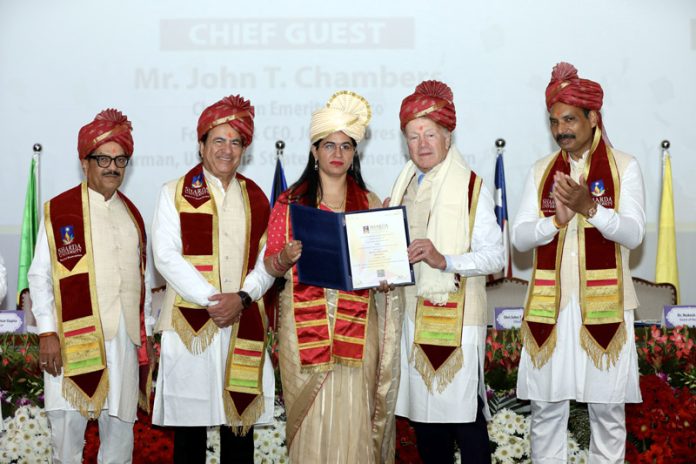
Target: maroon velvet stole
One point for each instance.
(199, 234)
(318, 348)
(199, 238)
(246, 355)
(85, 380)
(601, 273)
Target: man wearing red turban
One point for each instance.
(91, 299)
(208, 231)
(582, 211)
(456, 241)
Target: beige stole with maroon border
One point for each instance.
(85, 376)
(603, 332)
(437, 342)
(199, 236)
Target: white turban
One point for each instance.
(345, 111)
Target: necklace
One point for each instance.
(334, 207)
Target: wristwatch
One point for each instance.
(246, 299)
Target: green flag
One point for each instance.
(30, 228)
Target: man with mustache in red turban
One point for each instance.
(208, 231)
(455, 242)
(582, 211)
(91, 300)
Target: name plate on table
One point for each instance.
(679, 315)
(354, 250)
(508, 318)
(12, 321)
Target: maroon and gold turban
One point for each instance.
(433, 100)
(233, 110)
(108, 126)
(566, 87)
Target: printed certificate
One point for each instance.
(352, 251)
(377, 242)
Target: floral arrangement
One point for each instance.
(151, 444)
(503, 349)
(509, 436)
(661, 429)
(26, 437)
(21, 381)
(269, 441)
(670, 353)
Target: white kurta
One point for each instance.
(189, 389)
(116, 256)
(457, 403)
(570, 373)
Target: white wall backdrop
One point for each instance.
(162, 62)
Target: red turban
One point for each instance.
(233, 110)
(566, 87)
(108, 126)
(433, 100)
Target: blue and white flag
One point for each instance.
(501, 212)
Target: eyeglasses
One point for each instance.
(345, 147)
(104, 161)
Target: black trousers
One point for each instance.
(435, 441)
(190, 446)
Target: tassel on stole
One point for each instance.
(88, 407)
(443, 375)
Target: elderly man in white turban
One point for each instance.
(338, 350)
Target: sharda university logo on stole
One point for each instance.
(196, 190)
(597, 190)
(67, 237)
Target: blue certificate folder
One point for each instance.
(325, 260)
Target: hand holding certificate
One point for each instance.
(351, 251)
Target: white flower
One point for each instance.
(503, 416)
(503, 454)
(21, 414)
(39, 443)
(517, 450)
(498, 437)
(13, 448)
(572, 444)
(520, 424)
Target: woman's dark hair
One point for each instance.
(308, 187)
